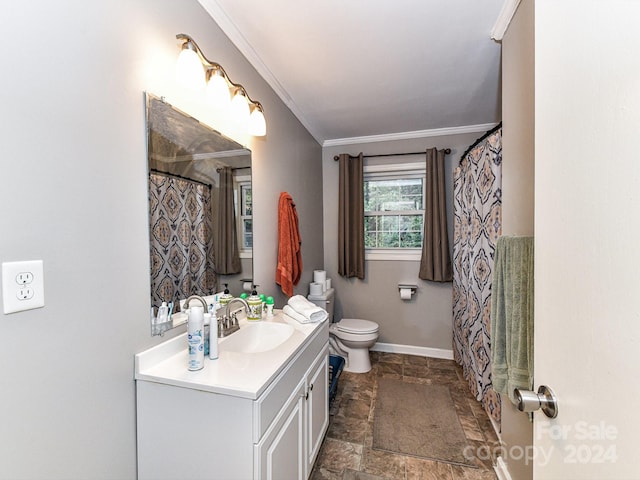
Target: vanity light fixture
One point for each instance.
(240, 108)
(195, 71)
(189, 71)
(218, 90)
(257, 123)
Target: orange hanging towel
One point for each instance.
(289, 266)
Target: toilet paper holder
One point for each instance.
(413, 288)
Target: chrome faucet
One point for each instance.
(199, 298)
(228, 323)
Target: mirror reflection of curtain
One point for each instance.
(227, 254)
(181, 238)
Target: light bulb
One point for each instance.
(257, 123)
(218, 91)
(240, 108)
(189, 70)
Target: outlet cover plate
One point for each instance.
(17, 295)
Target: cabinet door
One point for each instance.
(317, 406)
(280, 452)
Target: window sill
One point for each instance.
(390, 255)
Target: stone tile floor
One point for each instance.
(347, 453)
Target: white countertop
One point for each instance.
(244, 375)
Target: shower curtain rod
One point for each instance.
(168, 174)
(447, 151)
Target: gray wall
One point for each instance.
(426, 320)
(518, 186)
(74, 195)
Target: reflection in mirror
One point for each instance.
(200, 210)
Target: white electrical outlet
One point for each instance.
(22, 285)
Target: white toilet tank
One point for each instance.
(324, 301)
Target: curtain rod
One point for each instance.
(175, 175)
(447, 151)
(474, 144)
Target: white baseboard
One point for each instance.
(413, 350)
(501, 470)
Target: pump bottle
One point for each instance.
(195, 335)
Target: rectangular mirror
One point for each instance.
(200, 210)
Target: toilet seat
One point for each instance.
(356, 326)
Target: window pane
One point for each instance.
(371, 240)
(389, 240)
(389, 223)
(411, 223)
(248, 233)
(410, 240)
(393, 195)
(246, 201)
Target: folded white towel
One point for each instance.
(304, 309)
(290, 312)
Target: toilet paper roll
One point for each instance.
(315, 288)
(246, 286)
(405, 293)
(319, 276)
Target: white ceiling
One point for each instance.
(361, 68)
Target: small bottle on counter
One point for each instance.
(255, 305)
(270, 304)
(163, 313)
(207, 327)
(213, 335)
(195, 336)
(263, 297)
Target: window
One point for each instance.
(244, 208)
(393, 211)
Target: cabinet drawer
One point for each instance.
(267, 407)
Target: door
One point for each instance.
(587, 238)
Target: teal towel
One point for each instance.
(512, 315)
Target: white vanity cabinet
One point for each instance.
(197, 426)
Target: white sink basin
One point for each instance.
(257, 337)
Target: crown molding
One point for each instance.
(238, 39)
(505, 16)
(436, 132)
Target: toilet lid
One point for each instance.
(356, 325)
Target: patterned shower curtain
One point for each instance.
(181, 239)
(477, 226)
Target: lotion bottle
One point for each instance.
(195, 335)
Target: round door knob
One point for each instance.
(528, 401)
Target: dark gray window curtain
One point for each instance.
(351, 217)
(227, 256)
(435, 264)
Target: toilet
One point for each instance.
(350, 338)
